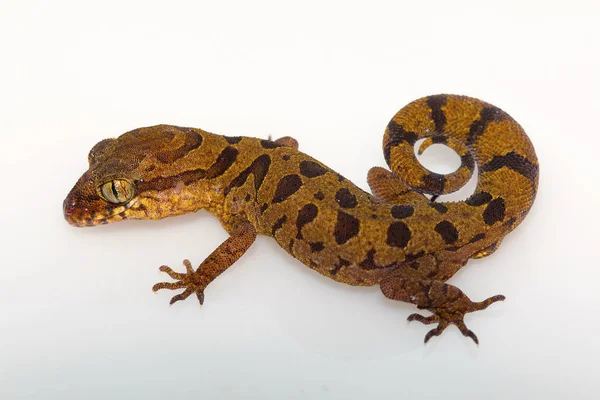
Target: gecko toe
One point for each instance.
(424, 320)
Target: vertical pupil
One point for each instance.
(114, 190)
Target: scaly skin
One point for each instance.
(396, 238)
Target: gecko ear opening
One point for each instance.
(98, 149)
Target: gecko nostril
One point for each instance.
(69, 206)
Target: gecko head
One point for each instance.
(132, 177)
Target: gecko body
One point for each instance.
(395, 238)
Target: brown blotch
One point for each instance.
(232, 139)
(278, 224)
(401, 212)
(150, 168)
(369, 262)
(436, 103)
(494, 211)
(346, 227)
(247, 198)
(287, 186)
(477, 237)
(311, 169)
(192, 141)
(345, 199)
(439, 207)
(466, 160)
(398, 234)
(286, 157)
(163, 183)
(514, 161)
(434, 183)
(258, 168)
(306, 214)
(223, 162)
(397, 135)
(269, 144)
(319, 195)
(479, 199)
(264, 207)
(447, 231)
(316, 246)
(341, 263)
(486, 115)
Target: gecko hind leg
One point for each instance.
(447, 303)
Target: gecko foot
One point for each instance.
(190, 280)
(453, 314)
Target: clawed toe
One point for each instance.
(425, 320)
(186, 280)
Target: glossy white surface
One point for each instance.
(77, 316)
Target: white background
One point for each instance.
(77, 316)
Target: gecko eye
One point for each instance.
(117, 191)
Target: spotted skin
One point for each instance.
(395, 237)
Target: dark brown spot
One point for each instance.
(341, 263)
(264, 207)
(233, 139)
(316, 246)
(439, 139)
(311, 169)
(479, 199)
(397, 135)
(514, 161)
(278, 224)
(313, 264)
(398, 234)
(192, 141)
(305, 215)
(447, 231)
(340, 178)
(319, 195)
(223, 162)
(369, 262)
(269, 144)
(477, 238)
(346, 227)
(373, 216)
(434, 183)
(258, 168)
(345, 199)
(291, 247)
(436, 103)
(494, 211)
(286, 157)
(439, 207)
(401, 212)
(247, 198)
(150, 168)
(287, 186)
(467, 161)
(486, 115)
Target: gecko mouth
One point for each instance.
(80, 215)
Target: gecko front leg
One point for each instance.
(242, 237)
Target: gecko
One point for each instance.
(395, 237)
